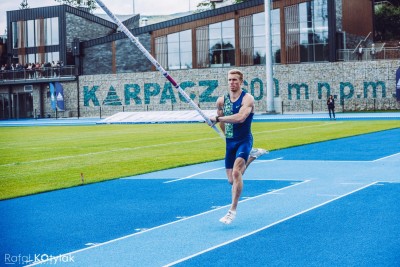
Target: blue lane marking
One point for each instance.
(67, 220)
(361, 229)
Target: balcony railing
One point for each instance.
(37, 74)
(384, 53)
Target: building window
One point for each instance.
(52, 31)
(259, 37)
(222, 44)
(202, 45)
(253, 39)
(161, 50)
(175, 50)
(276, 35)
(14, 35)
(307, 32)
(246, 41)
(30, 33)
(180, 50)
(35, 33)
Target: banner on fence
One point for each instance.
(52, 97)
(59, 96)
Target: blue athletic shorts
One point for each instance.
(237, 149)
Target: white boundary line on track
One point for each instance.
(265, 227)
(190, 176)
(167, 224)
(193, 175)
(387, 157)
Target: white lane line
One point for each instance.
(265, 227)
(196, 174)
(397, 154)
(193, 175)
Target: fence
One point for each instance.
(384, 53)
(285, 107)
(36, 74)
(342, 105)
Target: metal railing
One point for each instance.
(37, 73)
(381, 54)
(342, 105)
(362, 42)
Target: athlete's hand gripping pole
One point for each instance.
(157, 65)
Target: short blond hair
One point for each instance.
(238, 72)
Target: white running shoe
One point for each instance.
(229, 217)
(258, 152)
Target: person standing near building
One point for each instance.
(360, 52)
(235, 112)
(373, 51)
(331, 107)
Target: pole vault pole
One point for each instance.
(157, 65)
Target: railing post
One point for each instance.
(312, 106)
(342, 103)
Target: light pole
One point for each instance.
(268, 57)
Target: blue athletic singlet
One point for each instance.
(239, 139)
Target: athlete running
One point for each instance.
(235, 114)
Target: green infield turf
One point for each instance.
(40, 159)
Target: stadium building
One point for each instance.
(64, 61)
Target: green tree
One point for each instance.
(24, 4)
(91, 4)
(209, 4)
(387, 22)
(205, 5)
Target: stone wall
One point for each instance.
(297, 86)
(356, 86)
(77, 27)
(127, 57)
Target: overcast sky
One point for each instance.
(120, 7)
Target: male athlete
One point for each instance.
(235, 114)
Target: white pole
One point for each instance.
(133, 7)
(268, 58)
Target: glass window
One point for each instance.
(246, 41)
(51, 31)
(15, 34)
(307, 32)
(54, 31)
(39, 26)
(222, 43)
(202, 45)
(30, 33)
(259, 38)
(276, 35)
(31, 58)
(179, 47)
(161, 50)
(52, 56)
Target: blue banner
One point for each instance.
(398, 84)
(52, 97)
(59, 96)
